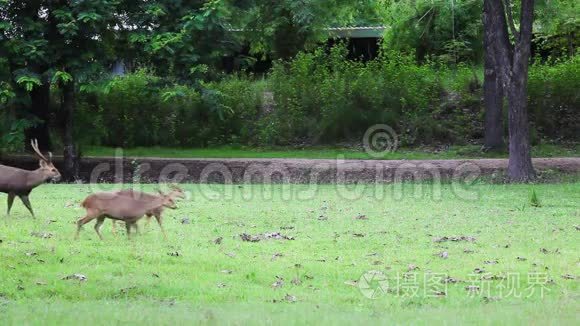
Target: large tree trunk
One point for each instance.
(512, 65)
(520, 167)
(492, 88)
(71, 159)
(40, 108)
(493, 103)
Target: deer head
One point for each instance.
(167, 200)
(176, 192)
(47, 169)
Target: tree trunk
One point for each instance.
(492, 89)
(71, 160)
(520, 167)
(512, 66)
(493, 103)
(40, 108)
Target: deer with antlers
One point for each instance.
(19, 182)
(126, 206)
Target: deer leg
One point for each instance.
(10, 201)
(84, 220)
(26, 202)
(148, 220)
(128, 227)
(113, 228)
(158, 218)
(136, 226)
(100, 221)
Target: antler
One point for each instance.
(34, 144)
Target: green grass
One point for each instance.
(140, 282)
(469, 151)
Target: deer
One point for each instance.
(175, 193)
(19, 182)
(121, 207)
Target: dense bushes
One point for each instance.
(320, 97)
(143, 110)
(554, 99)
(323, 97)
(326, 97)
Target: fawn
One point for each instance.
(120, 207)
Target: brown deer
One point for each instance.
(175, 193)
(120, 207)
(18, 182)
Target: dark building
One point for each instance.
(362, 43)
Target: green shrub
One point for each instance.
(554, 102)
(239, 102)
(324, 97)
(320, 97)
(141, 109)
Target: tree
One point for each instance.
(282, 28)
(447, 30)
(57, 43)
(19, 46)
(180, 39)
(492, 85)
(512, 62)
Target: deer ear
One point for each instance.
(42, 163)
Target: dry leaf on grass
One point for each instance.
(290, 298)
(351, 283)
(42, 235)
(78, 277)
(279, 283)
(455, 239)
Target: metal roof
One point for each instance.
(357, 32)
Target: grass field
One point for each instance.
(377, 258)
(419, 153)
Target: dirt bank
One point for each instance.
(151, 169)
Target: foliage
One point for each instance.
(176, 37)
(284, 28)
(183, 100)
(554, 103)
(319, 97)
(449, 31)
(142, 109)
(556, 35)
(323, 97)
(12, 136)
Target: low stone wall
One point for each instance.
(149, 170)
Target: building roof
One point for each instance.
(357, 32)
